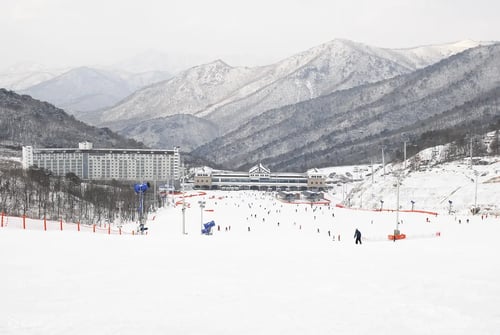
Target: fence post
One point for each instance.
(24, 221)
(2, 218)
(78, 225)
(44, 223)
(94, 227)
(109, 228)
(60, 222)
(120, 231)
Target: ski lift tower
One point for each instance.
(397, 234)
(202, 206)
(183, 207)
(398, 182)
(475, 209)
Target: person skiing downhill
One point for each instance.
(357, 236)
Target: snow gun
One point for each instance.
(208, 228)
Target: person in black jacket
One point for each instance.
(357, 236)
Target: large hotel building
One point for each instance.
(105, 164)
(259, 177)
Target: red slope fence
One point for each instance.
(25, 223)
(388, 210)
(183, 197)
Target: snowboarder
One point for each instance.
(357, 236)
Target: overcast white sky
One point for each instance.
(256, 32)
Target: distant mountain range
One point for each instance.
(86, 89)
(229, 96)
(350, 126)
(337, 103)
(23, 75)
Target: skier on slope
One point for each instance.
(357, 236)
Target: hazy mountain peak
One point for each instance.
(219, 63)
(422, 56)
(24, 67)
(215, 66)
(25, 74)
(213, 73)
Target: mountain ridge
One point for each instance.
(27, 121)
(322, 122)
(297, 78)
(85, 89)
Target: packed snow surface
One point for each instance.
(255, 276)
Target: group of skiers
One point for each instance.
(268, 211)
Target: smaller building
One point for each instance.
(316, 180)
(258, 177)
(203, 178)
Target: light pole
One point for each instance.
(475, 193)
(405, 140)
(155, 194)
(183, 209)
(202, 206)
(383, 159)
(471, 152)
(372, 170)
(398, 181)
(182, 180)
(183, 219)
(404, 153)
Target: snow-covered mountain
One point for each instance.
(138, 80)
(230, 96)
(85, 89)
(171, 131)
(350, 125)
(81, 89)
(187, 93)
(27, 121)
(422, 56)
(23, 75)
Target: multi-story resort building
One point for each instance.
(259, 178)
(105, 164)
